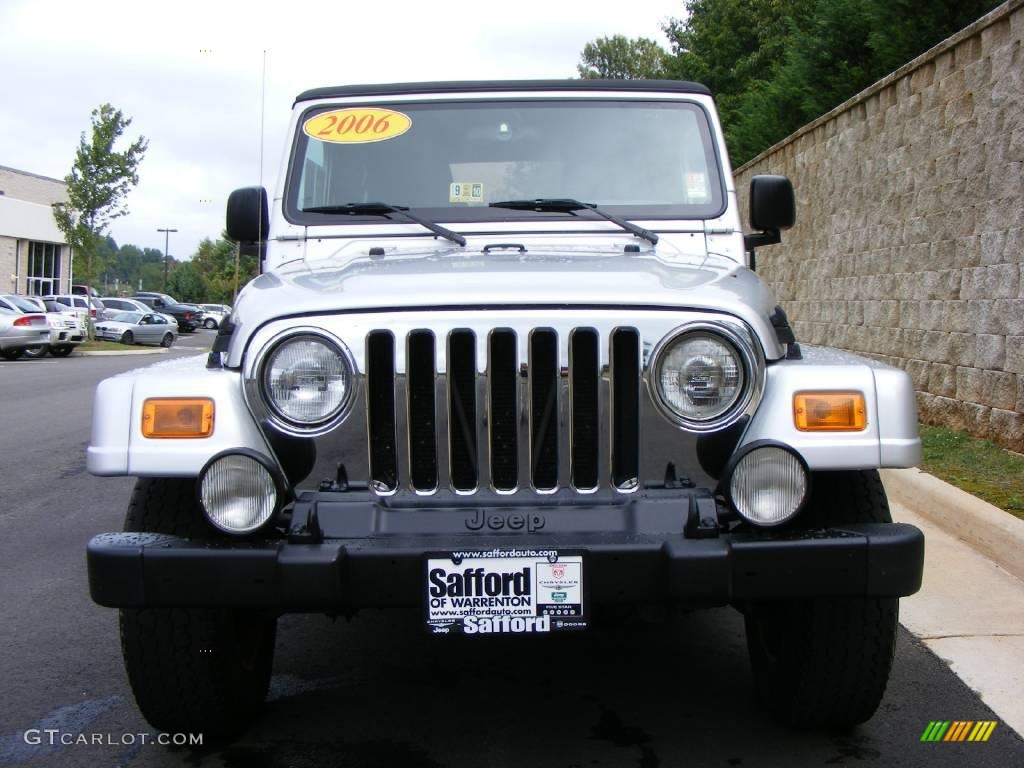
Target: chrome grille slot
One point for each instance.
(584, 373)
(503, 375)
(462, 413)
(380, 410)
(421, 372)
(625, 363)
(544, 386)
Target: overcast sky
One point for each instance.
(189, 73)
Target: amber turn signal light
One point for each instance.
(829, 411)
(177, 417)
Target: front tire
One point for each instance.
(826, 662)
(192, 669)
(210, 323)
(62, 350)
(127, 337)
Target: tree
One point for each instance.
(775, 65)
(621, 58)
(98, 184)
(216, 260)
(186, 283)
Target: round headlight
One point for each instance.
(238, 493)
(700, 376)
(768, 485)
(307, 380)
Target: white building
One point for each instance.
(34, 258)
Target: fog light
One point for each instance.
(769, 485)
(238, 493)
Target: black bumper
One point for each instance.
(135, 570)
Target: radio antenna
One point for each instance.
(263, 111)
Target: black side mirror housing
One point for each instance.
(772, 209)
(247, 215)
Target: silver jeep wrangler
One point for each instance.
(507, 363)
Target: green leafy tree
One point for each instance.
(775, 65)
(98, 185)
(186, 283)
(622, 58)
(225, 270)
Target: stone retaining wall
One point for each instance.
(909, 243)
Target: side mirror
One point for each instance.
(247, 215)
(772, 209)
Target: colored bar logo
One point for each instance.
(958, 730)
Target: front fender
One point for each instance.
(890, 438)
(118, 447)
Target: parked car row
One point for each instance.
(33, 326)
(64, 327)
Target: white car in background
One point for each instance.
(82, 306)
(214, 314)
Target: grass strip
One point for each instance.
(977, 466)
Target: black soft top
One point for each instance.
(472, 86)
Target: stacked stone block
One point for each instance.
(909, 242)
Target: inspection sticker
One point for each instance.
(466, 192)
(697, 187)
(505, 592)
(357, 125)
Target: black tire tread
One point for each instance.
(191, 669)
(834, 655)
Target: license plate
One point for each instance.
(505, 592)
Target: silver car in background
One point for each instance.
(138, 328)
(115, 306)
(19, 331)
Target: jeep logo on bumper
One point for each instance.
(514, 521)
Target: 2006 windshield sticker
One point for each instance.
(357, 125)
(511, 592)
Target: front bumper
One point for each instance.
(67, 336)
(626, 562)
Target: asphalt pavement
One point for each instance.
(377, 690)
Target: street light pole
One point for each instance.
(167, 236)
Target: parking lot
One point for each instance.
(376, 690)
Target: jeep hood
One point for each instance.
(454, 278)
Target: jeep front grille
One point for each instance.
(523, 420)
(535, 404)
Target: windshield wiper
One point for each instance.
(568, 205)
(383, 209)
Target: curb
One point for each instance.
(996, 534)
(160, 351)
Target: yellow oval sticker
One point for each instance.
(357, 125)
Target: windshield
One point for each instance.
(23, 304)
(128, 317)
(450, 160)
